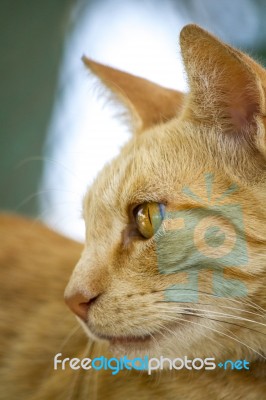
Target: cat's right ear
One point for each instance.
(148, 103)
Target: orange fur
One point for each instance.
(219, 127)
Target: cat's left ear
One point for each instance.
(227, 88)
(148, 103)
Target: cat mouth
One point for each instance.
(114, 341)
(128, 340)
(139, 342)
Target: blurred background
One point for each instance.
(56, 130)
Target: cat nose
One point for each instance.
(80, 304)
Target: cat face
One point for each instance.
(174, 257)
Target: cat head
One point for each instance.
(174, 257)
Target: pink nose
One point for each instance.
(80, 304)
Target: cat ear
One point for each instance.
(147, 102)
(227, 88)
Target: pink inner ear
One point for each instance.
(243, 110)
(241, 116)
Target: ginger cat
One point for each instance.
(174, 262)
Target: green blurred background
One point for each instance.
(32, 42)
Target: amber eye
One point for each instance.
(148, 217)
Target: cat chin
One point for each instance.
(178, 345)
(130, 348)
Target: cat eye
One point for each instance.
(148, 218)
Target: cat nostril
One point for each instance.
(79, 304)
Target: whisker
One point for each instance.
(217, 320)
(39, 193)
(254, 305)
(218, 305)
(234, 308)
(74, 388)
(46, 159)
(223, 314)
(92, 379)
(173, 332)
(224, 334)
(69, 336)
